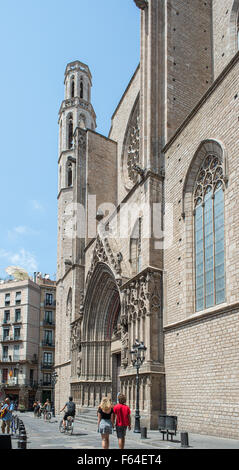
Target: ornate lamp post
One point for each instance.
(54, 377)
(138, 357)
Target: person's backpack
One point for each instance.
(71, 407)
(3, 412)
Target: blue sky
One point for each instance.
(38, 39)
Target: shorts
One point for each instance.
(66, 416)
(121, 431)
(105, 426)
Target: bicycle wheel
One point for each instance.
(70, 425)
(61, 427)
(48, 415)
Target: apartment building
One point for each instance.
(27, 339)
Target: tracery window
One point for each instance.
(209, 234)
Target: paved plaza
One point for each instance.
(46, 435)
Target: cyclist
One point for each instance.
(71, 410)
(46, 408)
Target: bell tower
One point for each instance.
(76, 113)
(76, 109)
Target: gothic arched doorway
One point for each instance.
(100, 320)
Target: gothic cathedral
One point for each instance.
(148, 223)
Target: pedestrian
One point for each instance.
(35, 408)
(105, 421)
(123, 419)
(6, 415)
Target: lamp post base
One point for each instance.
(137, 425)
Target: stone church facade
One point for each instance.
(148, 225)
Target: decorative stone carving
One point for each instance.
(75, 335)
(79, 361)
(131, 156)
(117, 332)
(81, 313)
(124, 343)
(133, 151)
(210, 177)
(142, 4)
(141, 297)
(103, 253)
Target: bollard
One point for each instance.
(143, 433)
(184, 439)
(22, 440)
(22, 444)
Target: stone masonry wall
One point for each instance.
(202, 370)
(224, 16)
(201, 349)
(216, 119)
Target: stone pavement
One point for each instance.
(44, 435)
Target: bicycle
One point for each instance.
(47, 416)
(68, 427)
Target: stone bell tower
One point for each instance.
(76, 112)
(76, 116)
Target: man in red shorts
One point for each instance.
(123, 419)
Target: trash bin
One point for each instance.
(184, 439)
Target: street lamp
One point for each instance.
(138, 357)
(54, 377)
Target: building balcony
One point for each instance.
(15, 358)
(45, 383)
(49, 304)
(15, 382)
(47, 343)
(7, 339)
(10, 359)
(47, 366)
(48, 323)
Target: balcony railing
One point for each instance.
(11, 381)
(48, 343)
(49, 303)
(18, 358)
(10, 338)
(48, 323)
(46, 365)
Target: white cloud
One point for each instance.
(23, 258)
(21, 230)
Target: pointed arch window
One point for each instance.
(70, 132)
(72, 87)
(209, 234)
(81, 89)
(69, 174)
